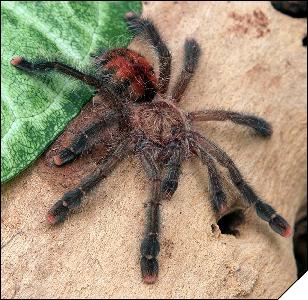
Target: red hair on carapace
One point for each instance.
(128, 65)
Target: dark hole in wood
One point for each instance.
(229, 223)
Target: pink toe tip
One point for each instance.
(16, 60)
(223, 208)
(130, 14)
(57, 160)
(149, 279)
(51, 218)
(287, 232)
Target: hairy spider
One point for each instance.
(156, 130)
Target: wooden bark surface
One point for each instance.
(252, 61)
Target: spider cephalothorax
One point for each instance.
(159, 132)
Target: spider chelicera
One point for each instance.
(156, 130)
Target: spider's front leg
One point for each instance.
(84, 140)
(60, 210)
(191, 58)
(147, 30)
(23, 64)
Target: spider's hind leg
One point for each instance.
(263, 210)
(218, 196)
(161, 189)
(85, 139)
(150, 245)
(173, 171)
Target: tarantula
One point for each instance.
(156, 130)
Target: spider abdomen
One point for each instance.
(160, 122)
(132, 71)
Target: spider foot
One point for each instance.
(130, 15)
(277, 222)
(149, 270)
(60, 210)
(261, 127)
(219, 202)
(65, 156)
(20, 63)
(281, 226)
(149, 265)
(58, 213)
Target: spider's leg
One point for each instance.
(150, 245)
(84, 140)
(264, 210)
(59, 211)
(149, 32)
(170, 182)
(191, 58)
(23, 64)
(260, 126)
(160, 190)
(217, 193)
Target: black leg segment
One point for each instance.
(191, 58)
(85, 139)
(259, 125)
(150, 245)
(23, 64)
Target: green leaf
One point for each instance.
(36, 108)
